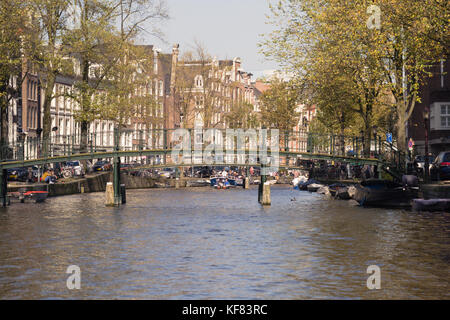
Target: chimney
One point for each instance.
(173, 74)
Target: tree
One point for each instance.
(122, 69)
(15, 35)
(317, 41)
(52, 18)
(279, 106)
(241, 115)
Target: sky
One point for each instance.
(227, 28)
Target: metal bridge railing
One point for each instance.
(290, 142)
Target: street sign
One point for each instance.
(411, 144)
(389, 137)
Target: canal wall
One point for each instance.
(435, 191)
(90, 184)
(97, 183)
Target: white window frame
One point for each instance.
(436, 116)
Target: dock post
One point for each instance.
(123, 193)
(116, 181)
(177, 178)
(109, 195)
(261, 184)
(266, 195)
(116, 171)
(4, 187)
(247, 183)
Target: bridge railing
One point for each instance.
(290, 142)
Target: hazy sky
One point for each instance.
(227, 28)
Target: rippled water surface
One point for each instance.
(211, 244)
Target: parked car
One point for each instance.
(17, 174)
(22, 174)
(77, 168)
(167, 173)
(102, 165)
(419, 163)
(440, 169)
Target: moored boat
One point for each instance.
(324, 190)
(222, 183)
(298, 180)
(304, 185)
(313, 187)
(384, 193)
(343, 194)
(334, 188)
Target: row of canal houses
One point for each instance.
(225, 83)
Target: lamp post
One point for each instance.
(375, 133)
(426, 117)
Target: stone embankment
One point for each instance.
(97, 183)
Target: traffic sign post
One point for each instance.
(389, 137)
(411, 144)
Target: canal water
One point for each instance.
(212, 244)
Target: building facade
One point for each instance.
(434, 95)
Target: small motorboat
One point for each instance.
(213, 180)
(313, 187)
(232, 181)
(303, 186)
(384, 194)
(240, 181)
(340, 191)
(37, 196)
(222, 183)
(343, 194)
(298, 180)
(324, 190)
(197, 183)
(334, 188)
(22, 195)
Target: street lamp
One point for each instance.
(426, 117)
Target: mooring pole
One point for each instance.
(116, 171)
(165, 145)
(4, 187)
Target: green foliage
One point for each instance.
(342, 63)
(279, 106)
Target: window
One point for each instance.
(199, 81)
(445, 115)
(199, 102)
(161, 87)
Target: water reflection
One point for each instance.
(210, 244)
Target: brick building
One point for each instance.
(206, 92)
(435, 95)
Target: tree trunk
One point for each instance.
(4, 128)
(401, 133)
(342, 133)
(47, 121)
